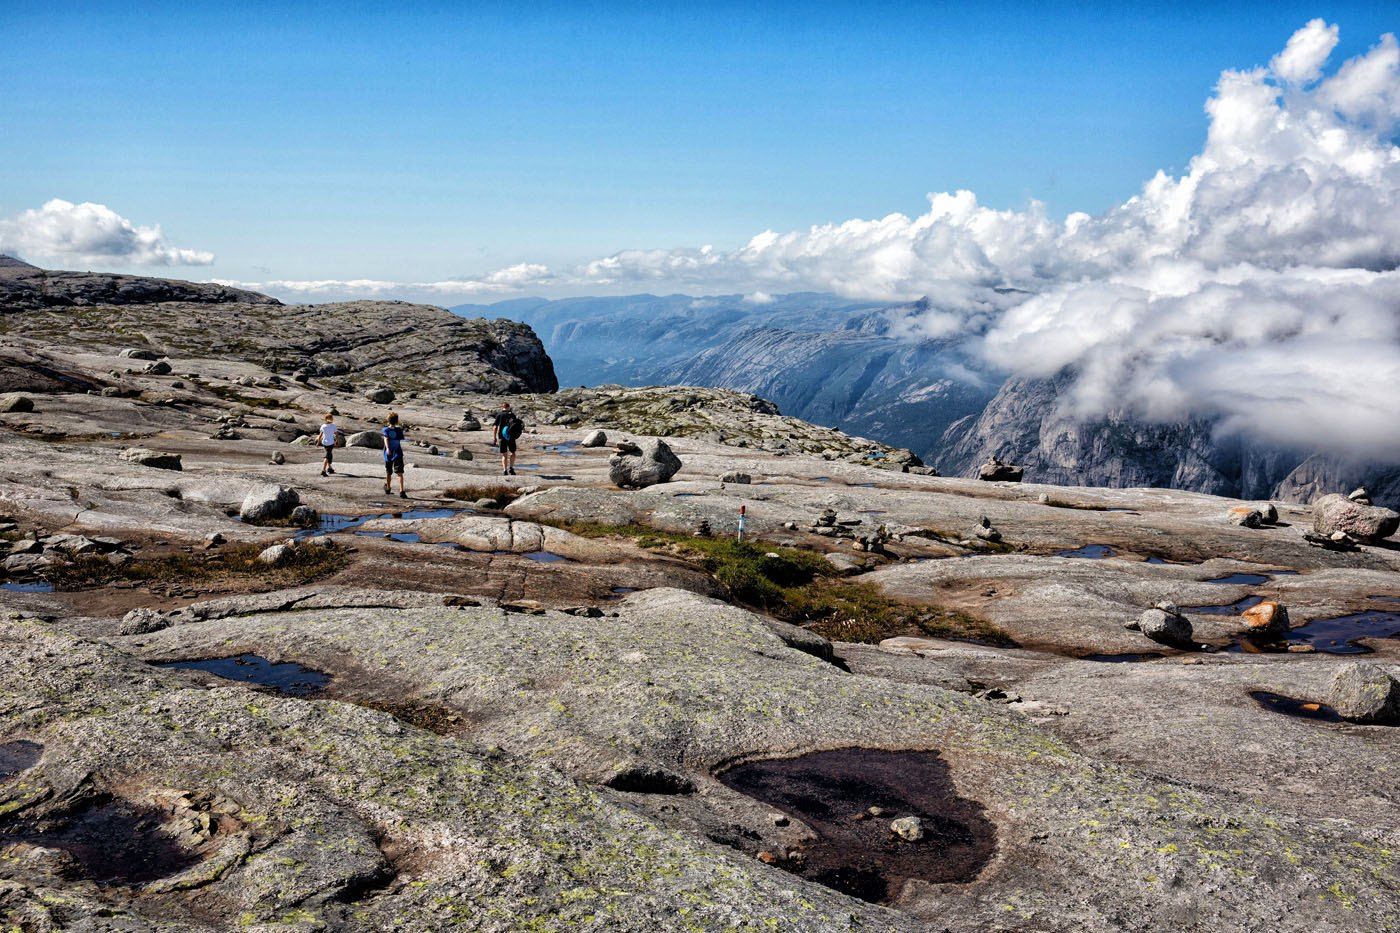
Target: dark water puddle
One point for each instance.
(19, 755)
(1127, 658)
(1279, 703)
(821, 479)
(1230, 609)
(862, 485)
(528, 466)
(1240, 579)
(287, 678)
(34, 586)
(855, 853)
(407, 537)
(1089, 552)
(112, 841)
(547, 557)
(556, 476)
(618, 592)
(1342, 635)
(566, 449)
(687, 495)
(1157, 560)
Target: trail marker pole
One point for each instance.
(742, 510)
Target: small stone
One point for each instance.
(1266, 618)
(1168, 628)
(137, 353)
(153, 459)
(766, 857)
(1245, 517)
(275, 556)
(214, 539)
(304, 516)
(380, 395)
(1359, 494)
(158, 368)
(734, 476)
(779, 819)
(277, 459)
(877, 811)
(908, 828)
(15, 402)
(594, 439)
(463, 454)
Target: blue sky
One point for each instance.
(416, 142)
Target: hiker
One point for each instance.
(393, 453)
(508, 428)
(329, 431)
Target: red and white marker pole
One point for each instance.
(742, 510)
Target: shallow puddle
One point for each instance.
(1339, 635)
(1304, 709)
(1127, 658)
(287, 678)
(618, 592)
(546, 557)
(857, 853)
(34, 586)
(1228, 609)
(1240, 579)
(19, 755)
(1089, 552)
(112, 841)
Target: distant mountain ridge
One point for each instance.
(850, 365)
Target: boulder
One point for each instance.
(1166, 627)
(1359, 494)
(1268, 513)
(275, 556)
(468, 423)
(844, 564)
(214, 539)
(594, 439)
(304, 516)
(305, 440)
(1361, 521)
(381, 395)
(734, 476)
(15, 403)
(463, 454)
(371, 439)
(1245, 517)
(1365, 692)
(136, 353)
(652, 463)
(277, 459)
(141, 456)
(158, 368)
(994, 471)
(269, 503)
(1267, 618)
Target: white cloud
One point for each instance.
(1302, 59)
(62, 232)
(496, 284)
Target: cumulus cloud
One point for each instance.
(1259, 288)
(62, 232)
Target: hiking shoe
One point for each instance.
(511, 471)
(386, 490)
(331, 470)
(323, 472)
(403, 495)
(505, 472)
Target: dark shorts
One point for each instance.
(329, 451)
(393, 465)
(507, 445)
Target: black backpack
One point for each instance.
(513, 428)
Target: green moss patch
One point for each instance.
(232, 564)
(799, 586)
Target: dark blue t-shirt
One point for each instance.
(393, 442)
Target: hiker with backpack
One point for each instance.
(508, 428)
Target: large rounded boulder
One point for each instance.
(1362, 521)
(636, 466)
(1365, 692)
(269, 503)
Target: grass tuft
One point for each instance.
(505, 495)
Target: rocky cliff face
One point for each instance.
(1023, 424)
(405, 346)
